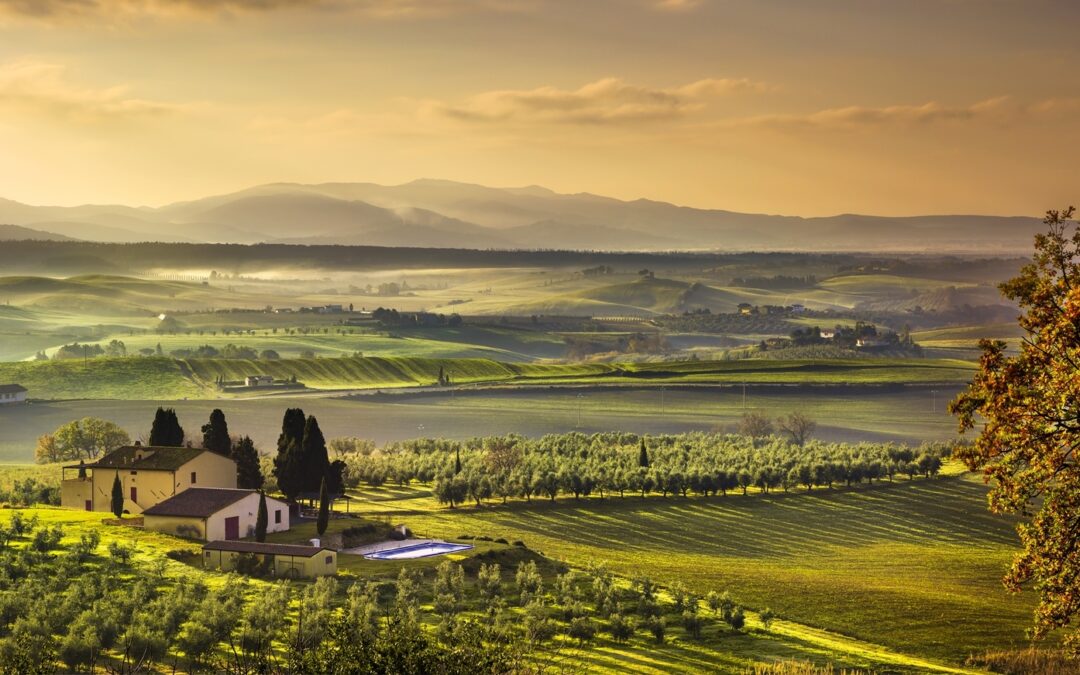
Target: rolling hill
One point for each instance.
(449, 214)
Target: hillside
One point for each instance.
(444, 213)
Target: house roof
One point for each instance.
(12, 389)
(198, 502)
(147, 458)
(271, 549)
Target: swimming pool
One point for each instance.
(423, 550)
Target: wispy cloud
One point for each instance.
(609, 100)
(60, 10)
(854, 117)
(44, 89)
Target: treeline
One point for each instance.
(608, 464)
(81, 606)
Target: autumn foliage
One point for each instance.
(1029, 408)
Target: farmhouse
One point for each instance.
(148, 475)
(280, 559)
(215, 513)
(11, 394)
(258, 380)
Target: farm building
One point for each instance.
(148, 475)
(258, 380)
(284, 560)
(215, 513)
(11, 394)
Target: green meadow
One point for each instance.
(914, 567)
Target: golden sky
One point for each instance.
(802, 107)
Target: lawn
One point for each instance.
(913, 567)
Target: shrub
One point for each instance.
(582, 629)
(520, 543)
(767, 617)
(621, 628)
(501, 540)
(658, 627)
(692, 624)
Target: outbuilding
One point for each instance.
(215, 513)
(11, 394)
(281, 560)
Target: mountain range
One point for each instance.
(447, 214)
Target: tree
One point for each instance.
(216, 433)
(755, 426)
(324, 509)
(117, 496)
(643, 456)
(1027, 405)
(314, 459)
(248, 469)
(288, 464)
(88, 437)
(166, 430)
(47, 450)
(262, 519)
(798, 426)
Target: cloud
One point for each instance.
(60, 10)
(676, 5)
(854, 117)
(43, 89)
(609, 100)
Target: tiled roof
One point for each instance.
(11, 388)
(198, 502)
(148, 458)
(271, 549)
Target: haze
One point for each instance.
(769, 106)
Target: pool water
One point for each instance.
(418, 551)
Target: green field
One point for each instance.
(140, 378)
(913, 567)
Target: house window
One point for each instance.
(192, 477)
(208, 554)
(329, 560)
(277, 516)
(134, 494)
(134, 473)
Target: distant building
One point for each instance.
(868, 342)
(11, 394)
(797, 309)
(828, 334)
(258, 380)
(215, 513)
(148, 476)
(283, 560)
(746, 308)
(331, 309)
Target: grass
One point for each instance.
(843, 413)
(720, 650)
(913, 567)
(141, 378)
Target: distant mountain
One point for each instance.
(438, 213)
(17, 232)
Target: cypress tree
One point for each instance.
(457, 461)
(324, 509)
(261, 520)
(288, 464)
(216, 433)
(166, 430)
(248, 470)
(643, 456)
(117, 496)
(314, 459)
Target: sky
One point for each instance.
(799, 107)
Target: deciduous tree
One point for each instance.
(1029, 408)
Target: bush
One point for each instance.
(621, 628)
(692, 624)
(501, 540)
(519, 543)
(658, 627)
(582, 629)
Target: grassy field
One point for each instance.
(914, 567)
(843, 414)
(141, 378)
(719, 650)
